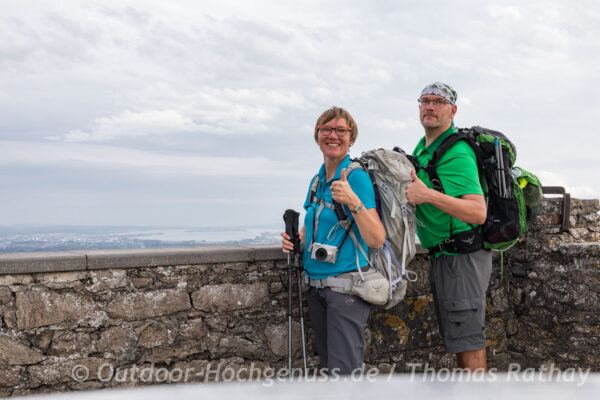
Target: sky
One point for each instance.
(201, 113)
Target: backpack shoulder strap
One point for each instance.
(313, 188)
(353, 166)
(431, 167)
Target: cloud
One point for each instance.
(227, 88)
(128, 123)
(576, 189)
(498, 11)
(145, 162)
(391, 124)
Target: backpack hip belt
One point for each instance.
(461, 243)
(366, 283)
(343, 282)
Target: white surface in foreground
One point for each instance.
(499, 386)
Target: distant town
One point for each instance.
(66, 238)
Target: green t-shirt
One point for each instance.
(459, 175)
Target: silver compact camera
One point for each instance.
(324, 253)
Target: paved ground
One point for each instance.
(418, 387)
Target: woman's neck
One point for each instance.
(331, 165)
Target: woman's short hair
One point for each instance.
(336, 113)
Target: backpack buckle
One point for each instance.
(436, 184)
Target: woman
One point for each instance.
(338, 319)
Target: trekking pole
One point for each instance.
(299, 279)
(290, 217)
(504, 189)
(498, 151)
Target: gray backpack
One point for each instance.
(390, 173)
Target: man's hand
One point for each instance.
(416, 191)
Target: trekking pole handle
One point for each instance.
(290, 217)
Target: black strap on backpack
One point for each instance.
(340, 213)
(431, 167)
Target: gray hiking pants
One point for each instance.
(338, 321)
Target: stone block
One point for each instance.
(277, 339)
(237, 346)
(135, 258)
(237, 267)
(107, 280)
(512, 327)
(266, 252)
(15, 353)
(579, 233)
(40, 308)
(229, 297)
(10, 319)
(276, 287)
(69, 343)
(409, 325)
(495, 334)
(10, 377)
(218, 324)
(139, 283)
(15, 279)
(49, 261)
(499, 300)
(588, 249)
(142, 305)
(42, 340)
(548, 219)
(154, 335)
(176, 352)
(61, 370)
(192, 329)
(195, 370)
(5, 295)
(592, 218)
(115, 339)
(59, 277)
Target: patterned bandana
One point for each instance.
(441, 89)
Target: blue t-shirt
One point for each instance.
(361, 184)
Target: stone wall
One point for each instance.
(86, 320)
(545, 309)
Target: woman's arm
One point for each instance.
(369, 225)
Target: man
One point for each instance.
(459, 279)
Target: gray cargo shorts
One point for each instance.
(459, 284)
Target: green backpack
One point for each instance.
(512, 194)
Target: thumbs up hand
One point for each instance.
(416, 191)
(344, 178)
(342, 192)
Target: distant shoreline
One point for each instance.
(69, 238)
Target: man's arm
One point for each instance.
(469, 208)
